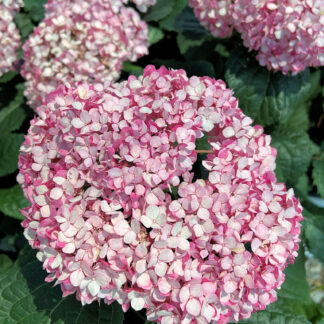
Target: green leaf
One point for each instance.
(5, 263)
(318, 174)
(24, 24)
(11, 200)
(316, 85)
(202, 143)
(199, 171)
(194, 67)
(160, 10)
(272, 317)
(222, 50)
(185, 43)
(7, 244)
(295, 152)
(155, 35)
(35, 9)
(265, 96)
(9, 151)
(26, 298)
(132, 69)
(168, 22)
(12, 116)
(295, 286)
(314, 232)
(312, 206)
(200, 68)
(8, 76)
(296, 121)
(301, 187)
(187, 23)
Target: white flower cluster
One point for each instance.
(9, 34)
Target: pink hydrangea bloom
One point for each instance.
(288, 35)
(215, 15)
(9, 34)
(81, 41)
(101, 165)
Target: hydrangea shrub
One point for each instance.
(179, 186)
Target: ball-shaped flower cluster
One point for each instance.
(216, 16)
(117, 215)
(9, 34)
(81, 41)
(288, 35)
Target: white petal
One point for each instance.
(140, 266)
(138, 303)
(184, 294)
(145, 110)
(59, 180)
(166, 255)
(40, 200)
(45, 211)
(193, 307)
(152, 211)
(69, 248)
(56, 193)
(184, 245)
(115, 172)
(147, 222)
(76, 277)
(94, 288)
(57, 261)
(151, 199)
(122, 227)
(160, 269)
(77, 123)
(130, 237)
(228, 132)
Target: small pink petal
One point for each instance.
(193, 307)
(230, 286)
(56, 193)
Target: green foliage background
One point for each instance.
(290, 108)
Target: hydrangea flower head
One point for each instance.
(9, 34)
(215, 15)
(116, 213)
(81, 41)
(288, 35)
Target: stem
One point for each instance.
(204, 151)
(318, 288)
(320, 122)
